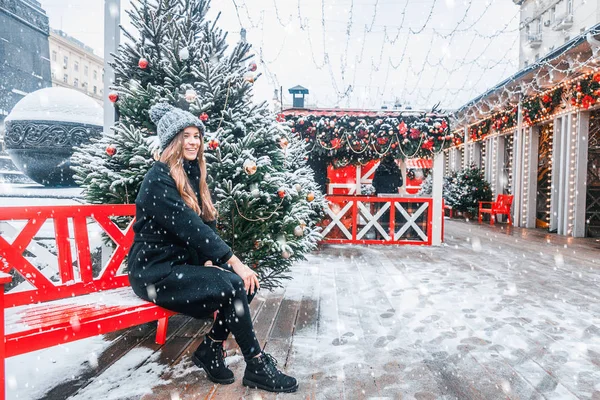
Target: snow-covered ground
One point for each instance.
(30, 376)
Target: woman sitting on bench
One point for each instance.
(179, 262)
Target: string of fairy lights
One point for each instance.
(347, 72)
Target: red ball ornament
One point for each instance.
(143, 63)
(111, 150)
(113, 97)
(252, 66)
(213, 144)
(281, 193)
(204, 117)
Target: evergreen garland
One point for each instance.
(354, 139)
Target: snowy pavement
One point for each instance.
(493, 314)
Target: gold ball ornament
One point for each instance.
(283, 142)
(250, 167)
(310, 196)
(285, 254)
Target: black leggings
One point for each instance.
(234, 316)
(199, 291)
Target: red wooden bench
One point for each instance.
(44, 311)
(501, 206)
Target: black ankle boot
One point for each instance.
(261, 372)
(210, 357)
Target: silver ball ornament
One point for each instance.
(184, 53)
(298, 231)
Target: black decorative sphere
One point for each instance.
(44, 127)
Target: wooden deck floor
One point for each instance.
(496, 313)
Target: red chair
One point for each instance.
(501, 206)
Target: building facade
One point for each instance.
(24, 53)
(538, 138)
(547, 24)
(74, 65)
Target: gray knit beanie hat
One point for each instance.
(170, 121)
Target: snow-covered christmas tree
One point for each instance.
(266, 196)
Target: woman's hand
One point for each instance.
(249, 277)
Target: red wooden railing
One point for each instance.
(11, 254)
(378, 220)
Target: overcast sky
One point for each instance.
(355, 53)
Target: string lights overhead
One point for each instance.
(374, 51)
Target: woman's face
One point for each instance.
(191, 143)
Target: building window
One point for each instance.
(76, 82)
(85, 70)
(527, 29)
(66, 78)
(95, 75)
(553, 14)
(65, 61)
(95, 90)
(76, 66)
(53, 55)
(569, 7)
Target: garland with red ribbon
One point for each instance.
(355, 139)
(586, 92)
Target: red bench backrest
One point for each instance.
(74, 280)
(503, 203)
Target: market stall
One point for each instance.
(346, 147)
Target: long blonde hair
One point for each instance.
(173, 157)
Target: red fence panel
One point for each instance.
(378, 220)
